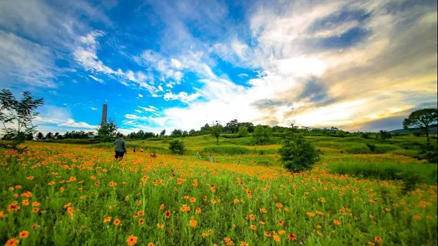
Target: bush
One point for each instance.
(297, 154)
(262, 135)
(176, 146)
(243, 131)
(371, 147)
(428, 152)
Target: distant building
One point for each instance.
(104, 114)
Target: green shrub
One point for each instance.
(243, 131)
(297, 154)
(176, 146)
(226, 149)
(371, 147)
(428, 152)
(262, 134)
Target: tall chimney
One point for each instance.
(104, 112)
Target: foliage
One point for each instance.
(243, 131)
(216, 130)
(428, 152)
(298, 154)
(163, 133)
(16, 116)
(371, 147)
(177, 147)
(262, 134)
(384, 135)
(176, 133)
(107, 131)
(141, 135)
(423, 119)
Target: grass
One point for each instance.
(424, 173)
(77, 197)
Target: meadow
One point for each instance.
(234, 193)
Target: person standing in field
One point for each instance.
(119, 148)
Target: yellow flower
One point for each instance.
(184, 208)
(106, 219)
(160, 226)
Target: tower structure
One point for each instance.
(104, 114)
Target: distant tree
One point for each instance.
(262, 134)
(177, 147)
(232, 126)
(56, 135)
(216, 130)
(192, 132)
(39, 136)
(185, 133)
(176, 133)
(162, 133)
(17, 115)
(423, 118)
(205, 129)
(243, 131)
(106, 131)
(49, 135)
(297, 154)
(384, 135)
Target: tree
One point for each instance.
(49, 135)
(243, 131)
(216, 130)
(384, 135)
(17, 115)
(106, 131)
(176, 133)
(232, 126)
(262, 134)
(176, 146)
(162, 133)
(297, 154)
(423, 119)
(39, 136)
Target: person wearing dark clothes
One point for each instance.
(119, 148)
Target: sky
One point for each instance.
(356, 65)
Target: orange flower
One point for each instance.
(70, 211)
(276, 238)
(251, 217)
(35, 210)
(267, 234)
(193, 223)
(243, 243)
(151, 244)
(162, 206)
(184, 208)
(18, 187)
(378, 240)
(198, 210)
(112, 184)
(132, 240)
(167, 214)
(13, 207)
(29, 177)
(141, 221)
(336, 222)
(281, 232)
(36, 204)
(27, 194)
(228, 241)
(12, 242)
(310, 214)
(25, 202)
(117, 222)
(23, 234)
(263, 210)
(2, 214)
(292, 236)
(253, 227)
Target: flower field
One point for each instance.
(59, 194)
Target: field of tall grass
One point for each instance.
(67, 194)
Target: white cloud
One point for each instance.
(59, 119)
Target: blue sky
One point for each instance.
(181, 64)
